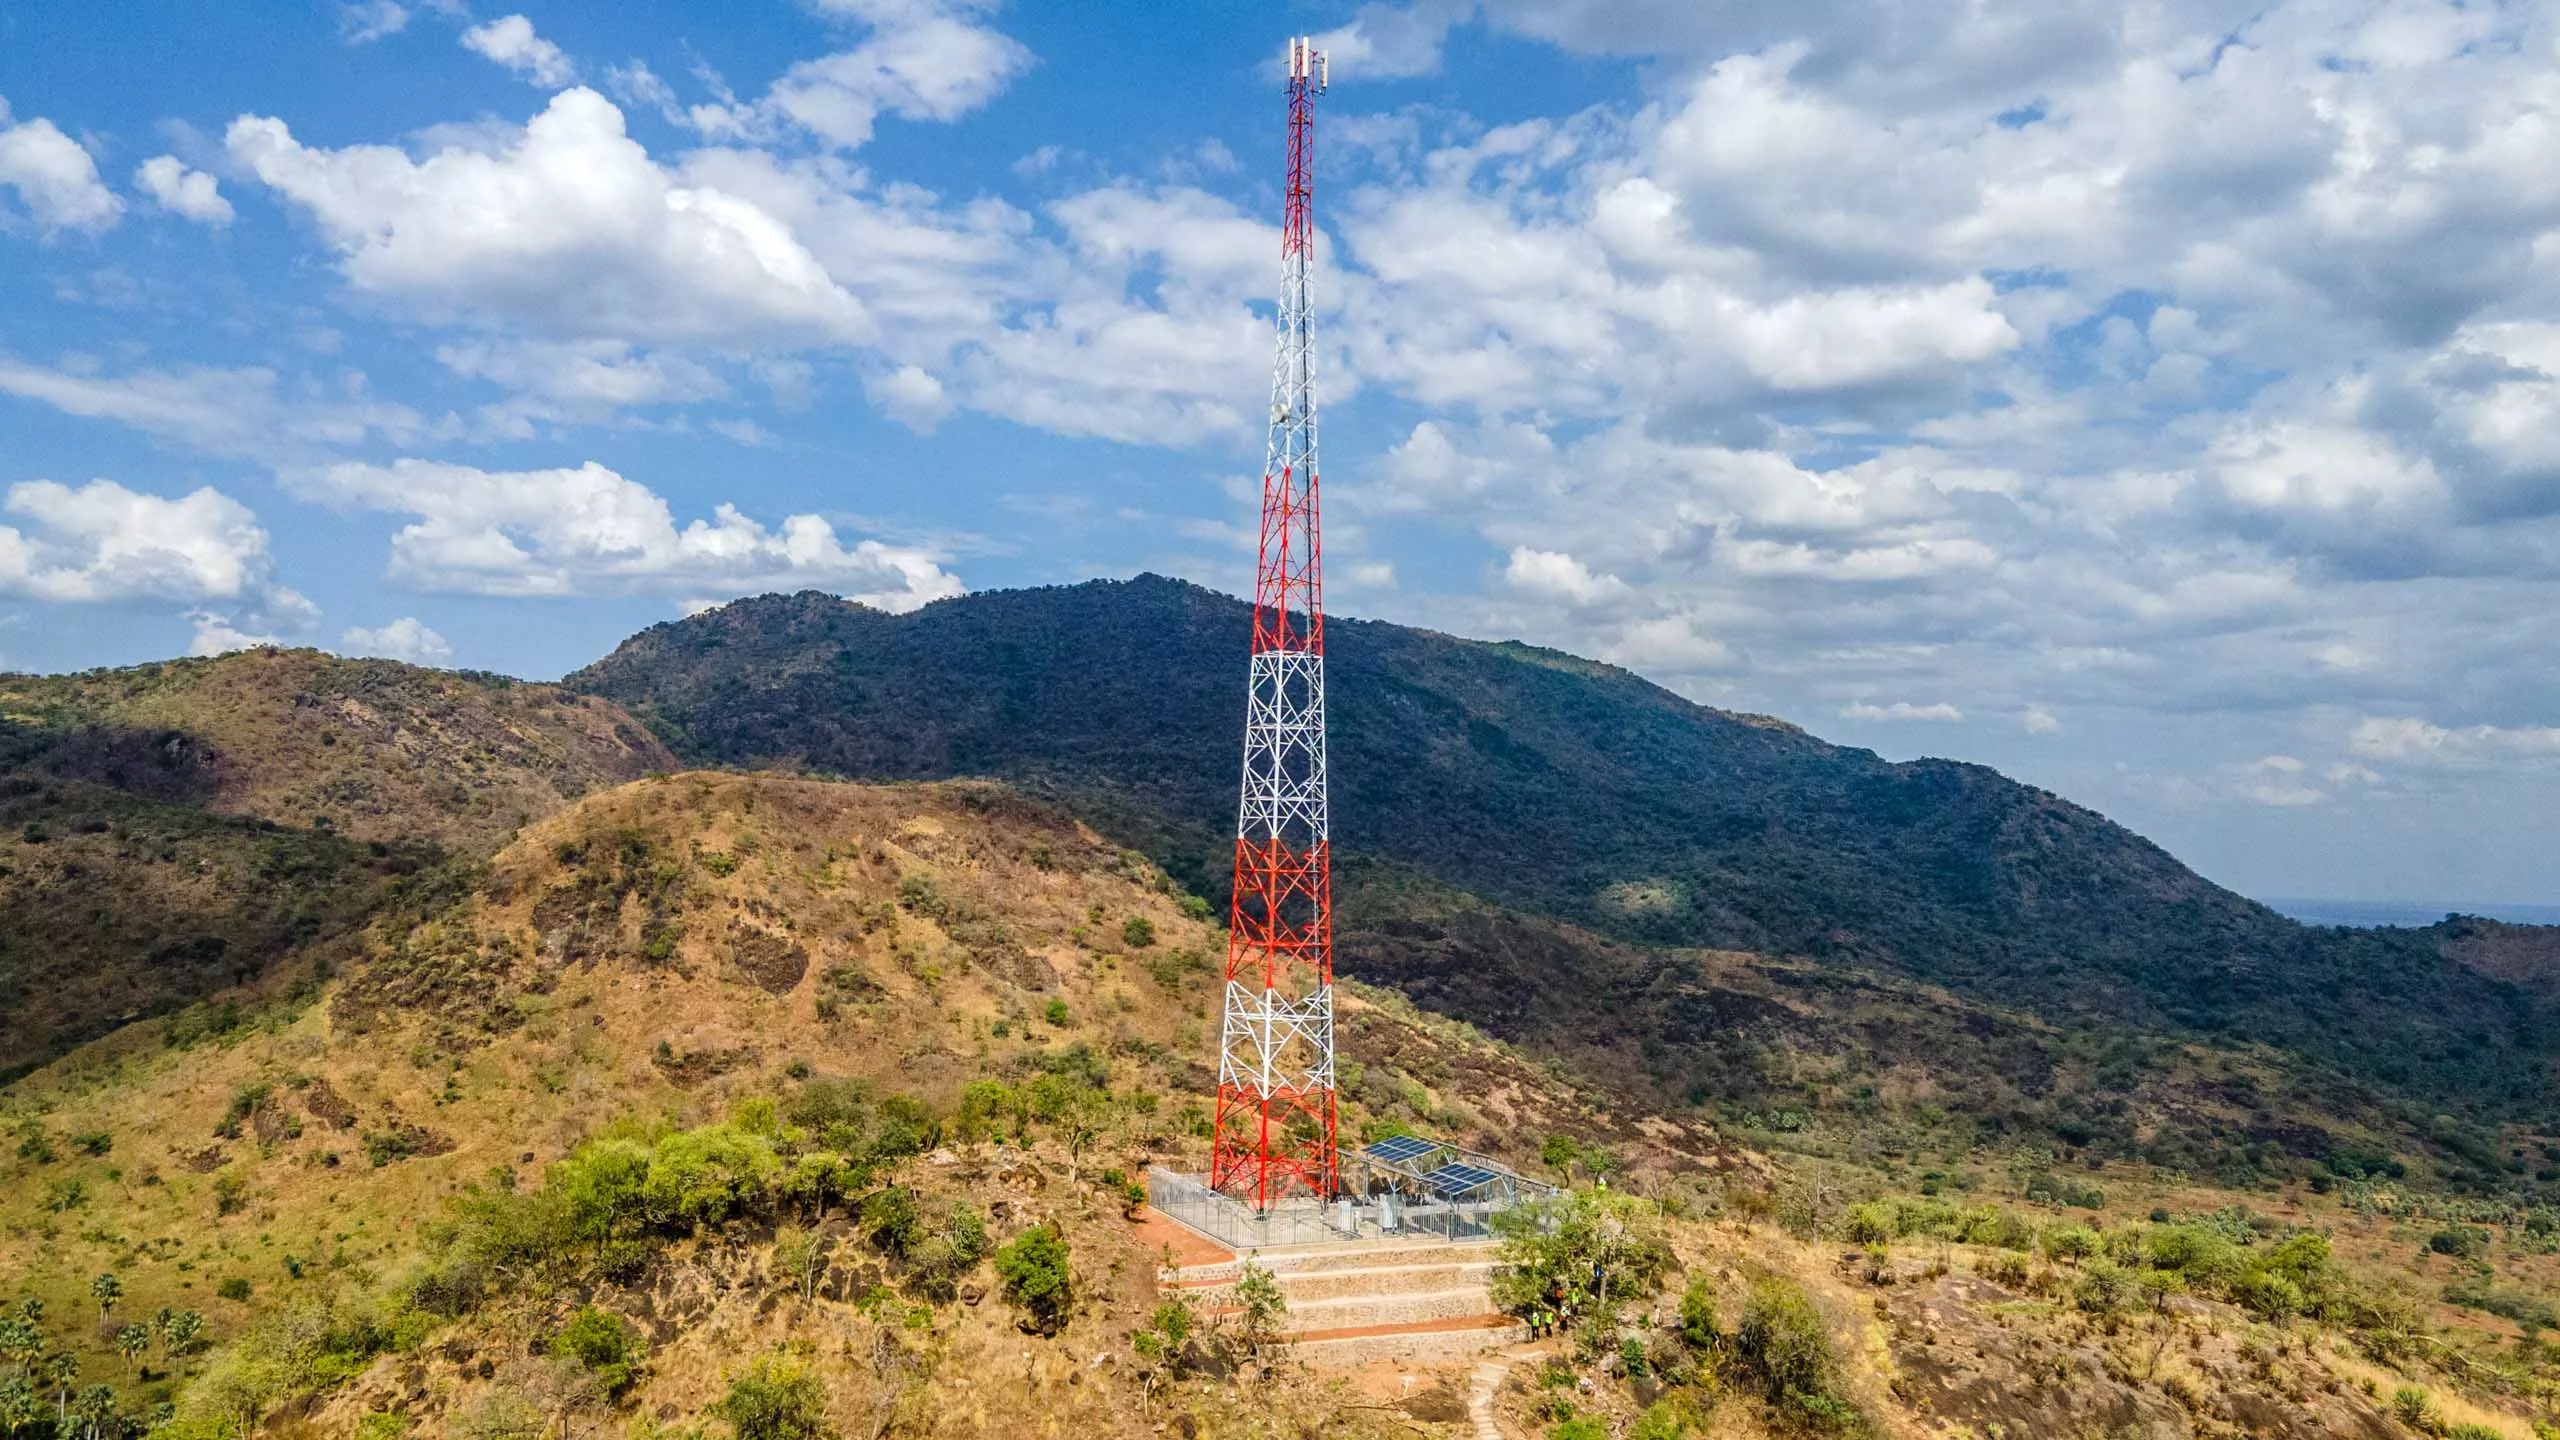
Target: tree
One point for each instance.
(777, 1399)
(179, 1331)
(106, 1290)
(1260, 1308)
(132, 1342)
(1569, 1263)
(21, 1341)
(1163, 1344)
(20, 1408)
(91, 1409)
(1037, 1279)
(60, 1371)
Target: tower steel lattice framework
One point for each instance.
(1276, 1109)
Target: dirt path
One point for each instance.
(1489, 1377)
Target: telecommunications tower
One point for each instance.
(1275, 1125)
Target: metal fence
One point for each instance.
(1304, 1222)
(1301, 1222)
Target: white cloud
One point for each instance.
(221, 634)
(1556, 575)
(1391, 42)
(55, 179)
(565, 225)
(361, 22)
(2037, 720)
(407, 638)
(510, 41)
(911, 396)
(2278, 781)
(923, 60)
(590, 531)
(226, 412)
(181, 191)
(2407, 740)
(102, 543)
(1899, 710)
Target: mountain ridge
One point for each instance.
(1579, 793)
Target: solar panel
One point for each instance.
(1452, 1181)
(1396, 1149)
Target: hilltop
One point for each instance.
(1547, 846)
(372, 749)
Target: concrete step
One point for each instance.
(1346, 1257)
(1424, 1307)
(1449, 1343)
(1301, 1287)
(1413, 1308)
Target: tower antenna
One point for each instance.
(1276, 1106)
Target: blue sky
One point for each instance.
(2157, 402)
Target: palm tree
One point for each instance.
(92, 1409)
(106, 1290)
(132, 1341)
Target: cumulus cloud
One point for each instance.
(54, 178)
(566, 225)
(181, 191)
(407, 638)
(102, 543)
(1556, 575)
(510, 41)
(590, 531)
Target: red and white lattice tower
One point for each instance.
(1275, 1126)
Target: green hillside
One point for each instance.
(1573, 792)
(173, 829)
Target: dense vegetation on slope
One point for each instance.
(171, 829)
(374, 749)
(118, 907)
(1581, 793)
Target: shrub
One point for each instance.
(93, 1142)
(2070, 1242)
(777, 1399)
(1037, 1280)
(2414, 1408)
(602, 1343)
(1664, 1419)
(1138, 932)
(1870, 1224)
(1782, 1348)
(233, 1288)
(2463, 1242)
(1700, 1325)
(1580, 1427)
(1055, 1012)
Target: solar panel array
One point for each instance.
(1451, 1181)
(1396, 1149)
